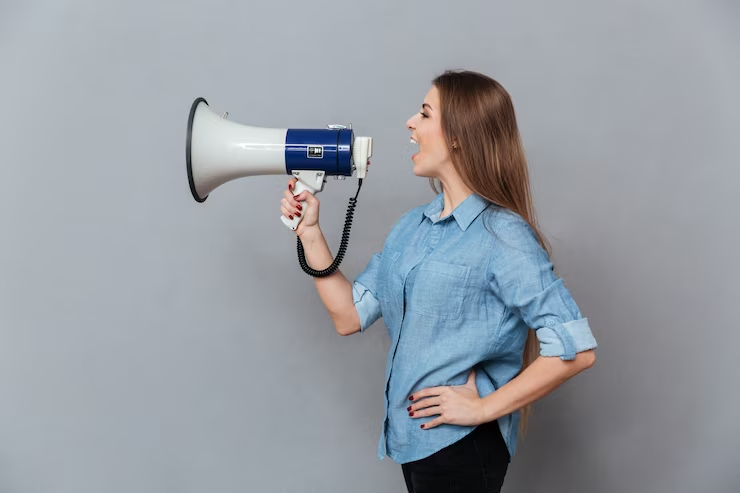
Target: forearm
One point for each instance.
(540, 378)
(334, 290)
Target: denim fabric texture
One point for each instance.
(458, 293)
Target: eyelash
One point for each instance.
(423, 114)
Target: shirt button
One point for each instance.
(550, 322)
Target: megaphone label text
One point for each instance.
(315, 152)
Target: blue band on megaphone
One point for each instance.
(328, 150)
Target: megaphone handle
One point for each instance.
(293, 223)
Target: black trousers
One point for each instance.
(477, 463)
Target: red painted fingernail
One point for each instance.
(298, 214)
(408, 408)
(299, 207)
(295, 197)
(411, 413)
(290, 217)
(411, 398)
(290, 187)
(422, 426)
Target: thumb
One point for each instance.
(304, 196)
(471, 379)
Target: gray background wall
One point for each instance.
(152, 344)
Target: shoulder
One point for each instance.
(413, 216)
(512, 242)
(406, 223)
(509, 226)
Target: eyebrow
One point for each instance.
(426, 105)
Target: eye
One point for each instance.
(424, 115)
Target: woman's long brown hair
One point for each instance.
(478, 115)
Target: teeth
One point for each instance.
(413, 141)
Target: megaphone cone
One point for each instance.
(219, 151)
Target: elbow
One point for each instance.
(346, 321)
(347, 325)
(586, 359)
(346, 330)
(582, 362)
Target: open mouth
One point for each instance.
(415, 143)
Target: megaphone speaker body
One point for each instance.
(219, 150)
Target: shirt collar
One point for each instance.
(465, 213)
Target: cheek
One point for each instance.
(437, 138)
(439, 149)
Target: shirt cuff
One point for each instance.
(566, 339)
(367, 306)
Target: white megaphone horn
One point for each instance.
(219, 150)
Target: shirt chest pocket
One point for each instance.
(439, 289)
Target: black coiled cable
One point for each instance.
(342, 245)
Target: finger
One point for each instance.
(291, 184)
(294, 210)
(303, 196)
(429, 411)
(292, 204)
(429, 401)
(428, 392)
(433, 423)
(307, 197)
(286, 212)
(291, 199)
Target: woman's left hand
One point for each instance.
(456, 405)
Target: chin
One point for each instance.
(420, 170)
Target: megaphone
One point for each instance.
(219, 150)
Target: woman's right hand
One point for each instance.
(290, 206)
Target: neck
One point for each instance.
(455, 191)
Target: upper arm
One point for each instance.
(522, 276)
(364, 293)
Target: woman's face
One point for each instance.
(426, 131)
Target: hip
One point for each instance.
(476, 463)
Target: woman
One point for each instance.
(480, 326)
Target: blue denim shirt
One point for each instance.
(454, 296)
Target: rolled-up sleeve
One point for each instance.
(364, 294)
(522, 276)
